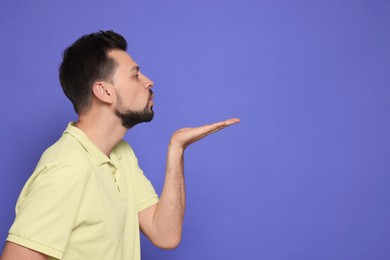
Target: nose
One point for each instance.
(148, 82)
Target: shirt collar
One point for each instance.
(97, 156)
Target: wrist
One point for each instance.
(175, 148)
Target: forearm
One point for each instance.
(162, 223)
(169, 215)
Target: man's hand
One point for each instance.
(182, 138)
(162, 223)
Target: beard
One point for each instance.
(130, 118)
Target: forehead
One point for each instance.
(125, 62)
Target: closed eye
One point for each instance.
(135, 71)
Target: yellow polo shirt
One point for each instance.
(80, 204)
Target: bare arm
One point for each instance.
(162, 222)
(14, 251)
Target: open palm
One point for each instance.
(182, 138)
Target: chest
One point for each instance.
(107, 204)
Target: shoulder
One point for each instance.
(67, 154)
(52, 180)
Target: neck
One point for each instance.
(104, 130)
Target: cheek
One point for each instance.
(136, 98)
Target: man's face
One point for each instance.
(134, 97)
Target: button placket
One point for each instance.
(114, 171)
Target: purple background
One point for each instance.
(306, 173)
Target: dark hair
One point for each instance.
(85, 62)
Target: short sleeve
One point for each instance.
(47, 208)
(146, 195)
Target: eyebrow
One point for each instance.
(135, 68)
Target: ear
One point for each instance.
(103, 92)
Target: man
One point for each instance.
(87, 198)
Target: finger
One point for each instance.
(213, 130)
(223, 124)
(232, 121)
(217, 129)
(205, 130)
(209, 127)
(208, 133)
